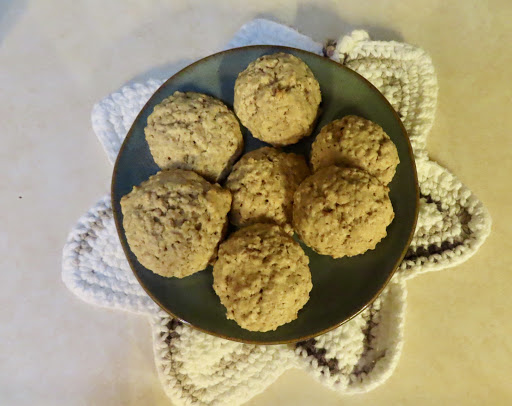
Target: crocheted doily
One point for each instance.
(196, 368)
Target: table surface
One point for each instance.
(58, 58)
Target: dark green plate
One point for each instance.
(341, 287)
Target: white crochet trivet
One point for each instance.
(196, 368)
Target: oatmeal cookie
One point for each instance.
(174, 222)
(356, 142)
(262, 184)
(277, 99)
(341, 211)
(262, 277)
(196, 132)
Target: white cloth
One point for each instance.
(196, 368)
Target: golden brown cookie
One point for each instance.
(174, 221)
(196, 132)
(277, 99)
(262, 184)
(262, 277)
(356, 142)
(341, 211)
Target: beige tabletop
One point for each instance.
(59, 57)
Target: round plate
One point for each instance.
(341, 287)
